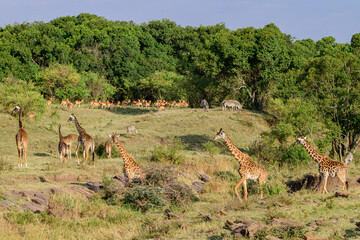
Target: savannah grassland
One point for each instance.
(96, 219)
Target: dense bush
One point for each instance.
(169, 152)
(18, 92)
(145, 197)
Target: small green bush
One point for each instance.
(145, 197)
(169, 152)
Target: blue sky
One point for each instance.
(301, 19)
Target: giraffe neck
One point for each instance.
(313, 153)
(240, 156)
(78, 127)
(126, 156)
(20, 122)
(60, 135)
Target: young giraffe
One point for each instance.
(131, 169)
(248, 169)
(69, 140)
(327, 167)
(62, 147)
(84, 140)
(22, 138)
(108, 149)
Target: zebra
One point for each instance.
(231, 103)
(204, 104)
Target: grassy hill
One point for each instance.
(77, 217)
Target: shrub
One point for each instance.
(169, 152)
(18, 92)
(145, 197)
(175, 192)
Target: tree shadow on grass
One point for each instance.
(42, 154)
(133, 111)
(195, 142)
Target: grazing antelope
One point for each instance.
(132, 170)
(31, 115)
(48, 103)
(64, 102)
(108, 149)
(69, 105)
(77, 102)
(62, 147)
(22, 138)
(162, 107)
(84, 140)
(125, 103)
(248, 169)
(95, 104)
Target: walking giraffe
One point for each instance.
(69, 140)
(108, 149)
(62, 147)
(84, 140)
(22, 138)
(327, 167)
(131, 169)
(248, 169)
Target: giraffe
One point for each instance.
(131, 169)
(62, 147)
(248, 169)
(327, 167)
(84, 140)
(68, 141)
(108, 149)
(22, 138)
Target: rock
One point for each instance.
(36, 208)
(6, 203)
(222, 213)
(206, 218)
(308, 237)
(197, 186)
(247, 228)
(170, 214)
(204, 177)
(357, 224)
(283, 222)
(272, 238)
(120, 178)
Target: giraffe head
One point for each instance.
(220, 135)
(16, 109)
(114, 137)
(72, 117)
(301, 140)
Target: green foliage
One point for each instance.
(169, 152)
(18, 92)
(274, 187)
(145, 197)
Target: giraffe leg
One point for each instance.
(24, 154)
(245, 190)
(19, 157)
(238, 185)
(325, 176)
(76, 152)
(342, 177)
(85, 155)
(261, 183)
